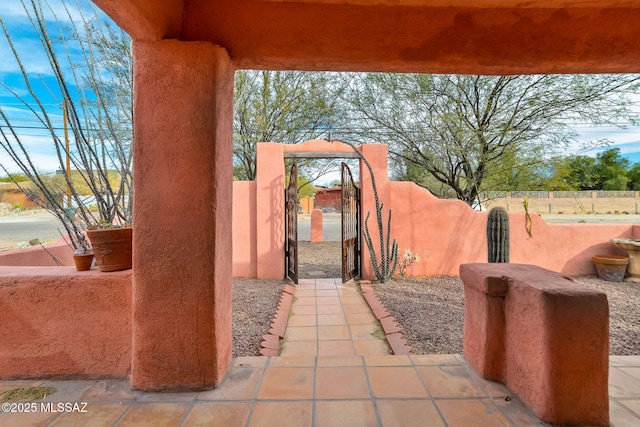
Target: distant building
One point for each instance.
(306, 203)
(11, 194)
(328, 198)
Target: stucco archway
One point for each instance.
(270, 178)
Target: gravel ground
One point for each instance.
(319, 259)
(255, 301)
(430, 312)
(6, 209)
(254, 305)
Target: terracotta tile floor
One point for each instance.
(329, 318)
(343, 386)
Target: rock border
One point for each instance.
(392, 331)
(270, 345)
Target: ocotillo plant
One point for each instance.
(498, 235)
(385, 268)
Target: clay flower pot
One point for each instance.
(611, 268)
(111, 247)
(83, 259)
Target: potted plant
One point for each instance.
(112, 246)
(83, 258)
(82, 252)
(611, 268)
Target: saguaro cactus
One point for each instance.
(498, 235)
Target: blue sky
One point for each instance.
(627, 140)
(35, 62)
(39, 143)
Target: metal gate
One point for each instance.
(291, 226)
(350, 226)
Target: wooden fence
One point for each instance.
(565, 202)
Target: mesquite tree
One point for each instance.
(280, 106)
(466, 133)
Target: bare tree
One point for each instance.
(462, 129)
(280, 106)
(90, 62)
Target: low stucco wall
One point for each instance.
(584, 202)
(36, 256)
(59, 323)
(447, 233)
(543, 335)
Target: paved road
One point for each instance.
(15, 229)
(331, 227)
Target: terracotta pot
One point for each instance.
(83, 261)
(611, 267)
(111, 247)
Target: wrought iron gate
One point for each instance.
(291, 226)
(350, 226)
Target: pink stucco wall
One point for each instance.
(445, 233)
(59, 323)
(37, 256)
(542, 335)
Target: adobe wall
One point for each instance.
(17, 197)
(543, 336)
(58, 323)
(269, 204)
(36, 256)
(447, 233)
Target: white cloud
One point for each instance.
(610, 136)
(25, 37)
(13, 10)
(41, 153)
(31, 54)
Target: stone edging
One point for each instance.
(392, 331)
(271, 342)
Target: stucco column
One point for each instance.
(316, 225)
(377, 156)
(270, 180)
(182, 215)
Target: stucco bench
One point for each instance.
(542, 335)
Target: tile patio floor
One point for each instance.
(316, 384)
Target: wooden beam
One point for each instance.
(319, 155)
